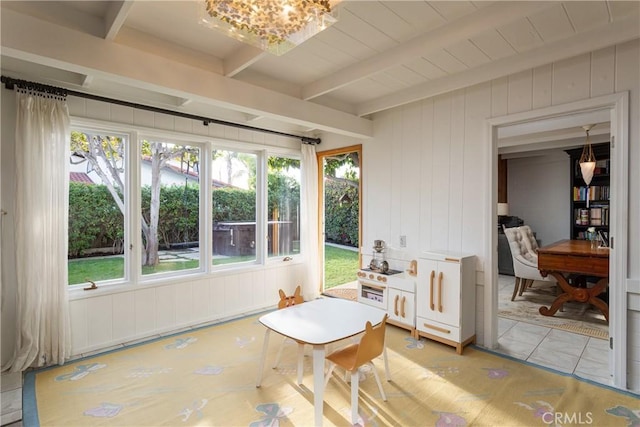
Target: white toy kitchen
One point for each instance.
(434, 297)
(389, 289)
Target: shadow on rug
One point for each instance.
(576, 317)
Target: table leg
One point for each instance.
(572, 293)
(597, 302)
(265, 345)
(318, 383)
(300, 362)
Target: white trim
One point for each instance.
(618, 228)
(618, 104)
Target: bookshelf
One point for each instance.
(598, 193)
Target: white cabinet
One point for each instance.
(401, 302)
(394, 293)
(446, 299)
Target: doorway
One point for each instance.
(339, 184)
(616, 107)
(574, 340)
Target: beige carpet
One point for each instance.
(576, 317)
(206, 377)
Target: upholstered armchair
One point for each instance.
(525, 258)
(529, 240)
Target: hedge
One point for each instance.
(96, 222)
(341, 220)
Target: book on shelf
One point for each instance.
(596, 192)
(595, 216)
(581, 216)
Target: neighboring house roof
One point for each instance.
(80, 177)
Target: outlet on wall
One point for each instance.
(403, 241)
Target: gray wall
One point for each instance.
(538, 192)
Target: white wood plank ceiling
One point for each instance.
(380, 54)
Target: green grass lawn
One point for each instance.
(341, 266)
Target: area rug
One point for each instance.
(206, 377)
(575, 317)
(350, 294)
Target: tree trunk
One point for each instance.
(151, 248)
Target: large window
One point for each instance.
(170, 202)
(97, 205)
(283, 206)
(234, 179)
(139, 210)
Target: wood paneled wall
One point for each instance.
(425, 168)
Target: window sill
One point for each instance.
(79, 293)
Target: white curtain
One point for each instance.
(309, 221)
(42, 182)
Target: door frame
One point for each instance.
(618, 106)
(320, 155)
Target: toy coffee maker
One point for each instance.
(378, 262)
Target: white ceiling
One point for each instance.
(379, 55)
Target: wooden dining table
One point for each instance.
(571, 258)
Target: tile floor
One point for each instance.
(563, 351)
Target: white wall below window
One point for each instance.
(538, 191)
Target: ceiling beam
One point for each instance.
(486, 18)
(27, 38)
(87, 80)
(241, 59)
(611, 34)
(117, 12)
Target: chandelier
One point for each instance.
(275, 26)
(587, 160)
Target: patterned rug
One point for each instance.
(350, 294)
(576, 317)
(206, 377)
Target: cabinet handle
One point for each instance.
(395, 305)
(402, 314)
(437, 328)
(440, 292)
(433, 274)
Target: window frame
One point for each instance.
(225, 145)
(133, 278)
(166, 137)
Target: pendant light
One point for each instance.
(587, 160)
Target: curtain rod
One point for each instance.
(9, 83)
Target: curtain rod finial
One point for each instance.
(310, 141)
